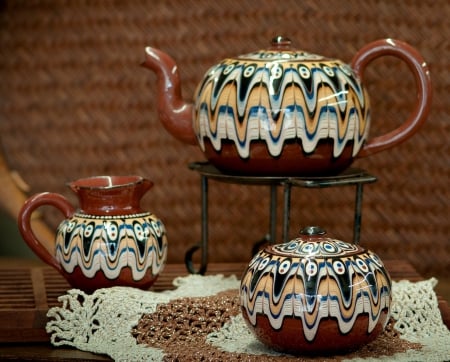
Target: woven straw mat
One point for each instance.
(74, 102)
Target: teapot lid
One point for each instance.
(281, 50)
(312, 243)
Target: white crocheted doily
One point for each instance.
(102, 322)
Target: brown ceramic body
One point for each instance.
(291, 340)
(108, 241)
(320, 163)
(282, 111)
(315, 295)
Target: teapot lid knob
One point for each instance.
(312, 231)
(281, 42)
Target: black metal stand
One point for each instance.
(355, 177)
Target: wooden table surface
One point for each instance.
(36, 345)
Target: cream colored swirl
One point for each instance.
(313, 289)
(110, 244)
(277, 101)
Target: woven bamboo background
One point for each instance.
(74, 102)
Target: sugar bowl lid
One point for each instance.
(313, 243)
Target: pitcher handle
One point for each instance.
(24, 223)
(421, 74)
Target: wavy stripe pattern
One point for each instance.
(302, 97)
(313, 289)
(110, 243)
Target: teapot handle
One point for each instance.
(24, 223)
(421, 74)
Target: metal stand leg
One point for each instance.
(204, 237)
(273, 214)
(357, 221)
(286, 211)
(351, 177)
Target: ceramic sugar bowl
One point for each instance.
(108, 241)
(285, 111)
(315, 295)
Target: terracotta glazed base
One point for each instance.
(329, 340)
(78, 280)
(292, 161)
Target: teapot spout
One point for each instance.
(175, 114)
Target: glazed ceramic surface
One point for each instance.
(109, 240)
(279, 95)
(315, 294)
(282, 111)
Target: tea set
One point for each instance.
(276, 111)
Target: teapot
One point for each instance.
(315, 295)
(108, 241)
(284, 112)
